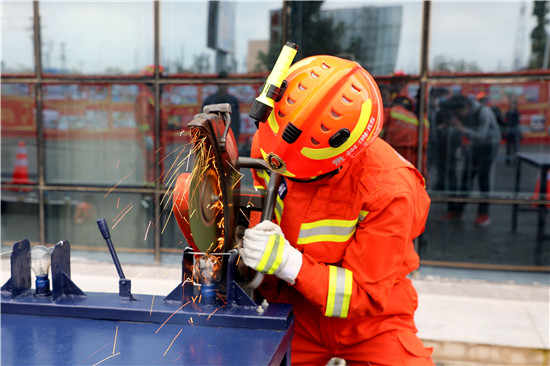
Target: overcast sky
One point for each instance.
(96, 35)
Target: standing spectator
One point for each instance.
(448, 140)
(513, 133)
(484, 135)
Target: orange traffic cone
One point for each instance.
(21, 169)
(536, 194)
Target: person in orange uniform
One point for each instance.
(347, 211)
(401, 130)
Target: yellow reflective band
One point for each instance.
(403, 117)
(264, 175)
(340, 287)
(363, 215)
(346, 298)
(331, 291)
(337, 231)
(279, 206)
(330, 152)
(267, 253)
(273, 122)
(279, 251)
(426, 122)
(273, 255)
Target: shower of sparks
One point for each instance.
(147, 231)
(120, 181)
(116, 334)
(118, 203)
(174, 313)
(191, 321)
(172, 343)
(105, 359)
(152, 302)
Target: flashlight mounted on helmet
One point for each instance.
(274, 86)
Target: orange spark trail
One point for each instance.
(105, 359)
(174, 313)
(116, 334)
(172, 343)
(124, 209)
(212, 314)
(122, 216)
(117, 163)
(147, 232)
(90, 356)
(152, 301)
(117, 203)
(120, 181)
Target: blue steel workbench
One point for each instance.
(71, 327)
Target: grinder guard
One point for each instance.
(195, 193)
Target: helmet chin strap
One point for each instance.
(315, 179)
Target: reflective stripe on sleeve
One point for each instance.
(340, 285)
(278, 211)
(273, 255)
(404, 118)
(264, 175)
(363, 215)
(326, 230)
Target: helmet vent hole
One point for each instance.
(301, 87)
(324, 128)
(334, 114)
(346, 100)
(355, 88)
(281, 114)
(290, 101)
(325, 66)
(314, 142)
(314, 75)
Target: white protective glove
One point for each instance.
(266, 250)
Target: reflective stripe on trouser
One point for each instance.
(340, 285)
(326, 230)
(273, 255)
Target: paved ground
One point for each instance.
(469, 316)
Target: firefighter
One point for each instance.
(401, 130)
(341, 244)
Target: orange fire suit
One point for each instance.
(401, 132)
(355, 230)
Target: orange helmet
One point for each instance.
(330, 111)
(150, 71)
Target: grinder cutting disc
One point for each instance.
(204, 199)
